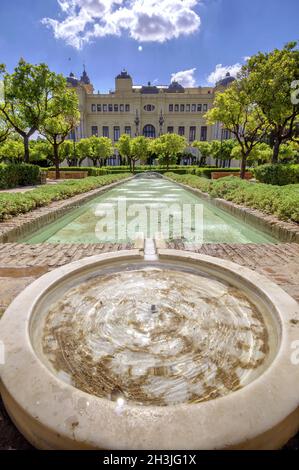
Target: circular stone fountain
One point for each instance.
(185, 352)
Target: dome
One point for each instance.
(124, 74)
(72, 80)
(226, 80)
(175, 87)
(149, 89)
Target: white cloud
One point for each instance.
(144, 20)
(221, 70)
(140, 48)
(185, 78)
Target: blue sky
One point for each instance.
(152, 39)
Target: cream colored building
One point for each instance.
(147, 110)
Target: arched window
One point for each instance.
(149, 131)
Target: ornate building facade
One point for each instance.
(147, 110)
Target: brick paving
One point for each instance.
(20, 264)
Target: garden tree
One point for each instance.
(12, 151)
(140, 149)
(102, 149)
(124, 147)
(215, 151)
(62, 117)
(238, 115)
(270, 77)
(69, 152)
(41, 152)
(204, 150)
(84, 149)
(288, 152)
(27, 98)
(167, 147)
(222, 151)
(259, 155)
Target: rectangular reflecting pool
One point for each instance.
(136, 206)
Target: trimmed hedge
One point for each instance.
(92, 171)
(13, 175)
(123, 169)
(206, 172)
(12, 204)
(278, 174)
(283, 202)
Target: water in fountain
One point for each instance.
(155, 336)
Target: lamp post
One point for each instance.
(137, 122)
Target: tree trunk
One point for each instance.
(276, 148)
(243, 165)
(56, 160)
(26, 149)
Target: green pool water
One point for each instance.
(117, 207)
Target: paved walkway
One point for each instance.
(21, 264)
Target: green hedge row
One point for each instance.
(92, 171)
(12, 204)
(279, 174)
(206, 172)
(116, 170)
(283, 202)
(13, 175)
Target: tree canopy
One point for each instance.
(270, 77)
(28, 94)
(245, 120)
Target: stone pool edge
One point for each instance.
(256, 417)
(23, 225)
(287, 232)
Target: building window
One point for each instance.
(176, 108)
(149, 107)
(93, 108)
(128, 130)
(203, 133)
(182, 108)
(199, 108)
(105, 131)
(193, 108)
(116, 108)
(110, 108)
(127, 108)
(121, 108)
(170, 130)
(192, 133)
(188, 108)
(181, 130)
(116, 133)
(149, 131)
(171, 108)
(225, 134)
(99, 108)
(104, 108)
(205, 108)
(94, 130)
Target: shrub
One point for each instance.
(13, 175)
(12, 204)
(278, 174)
(283, 202)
